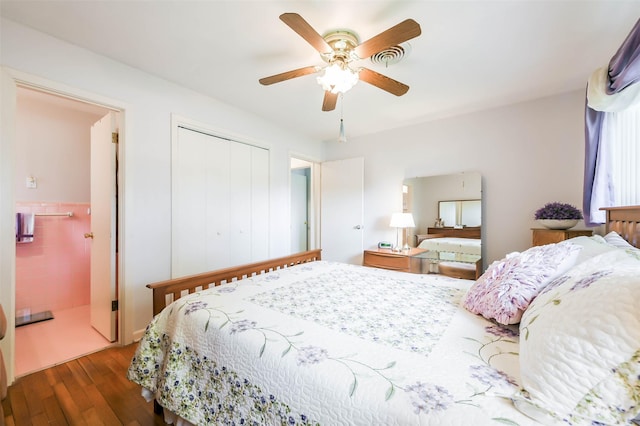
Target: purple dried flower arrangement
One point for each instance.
(558, 211)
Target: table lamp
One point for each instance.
(401, 220)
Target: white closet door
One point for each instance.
(240, 203)
(259, 204)
(218, 234)
(189, 208)
(220, 203)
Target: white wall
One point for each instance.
(528, 154)
(52, 145)
(146, 151)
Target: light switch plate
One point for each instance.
(32, 183)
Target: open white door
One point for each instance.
(103, 231)
(342, 210)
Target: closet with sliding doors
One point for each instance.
(220, 202)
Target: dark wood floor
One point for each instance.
(92, 390)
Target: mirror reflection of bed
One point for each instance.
(447, 211)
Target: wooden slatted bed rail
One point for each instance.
(165, 292)
(625, 221)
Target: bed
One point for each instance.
(457, 251)
(299, 340)
(453, 245)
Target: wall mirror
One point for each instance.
(460, 213)
(454, 198)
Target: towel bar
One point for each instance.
(69, 214)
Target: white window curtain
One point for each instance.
(625, 155)
(617, 179)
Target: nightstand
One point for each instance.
(404, 261)
(542, 236)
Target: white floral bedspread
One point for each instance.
(331, 344)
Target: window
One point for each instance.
(621, 141)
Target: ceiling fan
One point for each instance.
(338, 49)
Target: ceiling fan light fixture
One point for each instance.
(337, 78)
(338, 48)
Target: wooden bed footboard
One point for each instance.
(165, 292)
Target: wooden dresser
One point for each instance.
(542, 236)
(404, 261)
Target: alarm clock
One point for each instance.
(384, 245)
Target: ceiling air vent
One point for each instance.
(391, 55)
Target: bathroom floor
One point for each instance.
(47, 343)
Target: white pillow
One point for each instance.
(616, 240)
(591, 246)
(505, 290)
(580, 345)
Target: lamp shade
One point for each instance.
(402, 220)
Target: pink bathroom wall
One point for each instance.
(53, 272)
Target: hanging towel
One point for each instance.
(24, 227)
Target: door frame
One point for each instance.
(7, 188)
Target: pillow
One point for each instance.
(616, 240)
(580, 345)
(505, 290)
(591, 246)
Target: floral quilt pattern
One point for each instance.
(400, 313)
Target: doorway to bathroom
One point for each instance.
(304, 203)
(55, 304)
(300, 204)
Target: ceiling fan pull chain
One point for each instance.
(341, 136)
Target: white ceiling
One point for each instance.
(471, 55)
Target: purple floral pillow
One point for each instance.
(505, 290)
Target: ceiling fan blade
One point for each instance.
(383, 82)
(405, 30)
(288, 75)
(329, 101)
(306, 31)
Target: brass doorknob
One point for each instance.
(88, 235)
